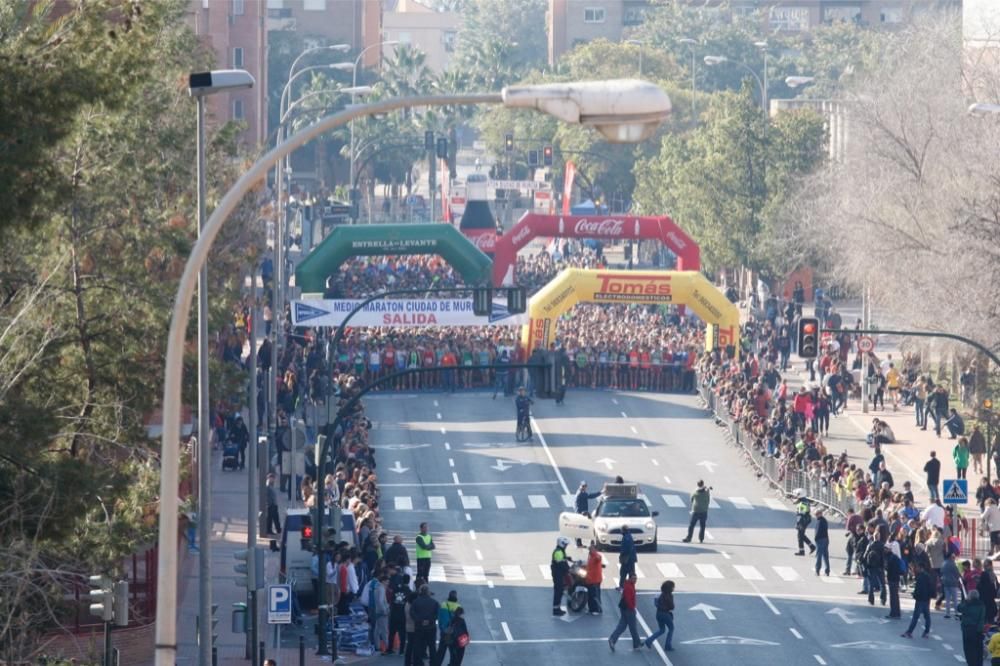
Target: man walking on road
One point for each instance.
(583, 504)
(802, 520)
(923, 590)
(627, 607)
(932, 468)
(425, 544)
(627, 556)
(700, 500)
(273, 522)
(595, 576)
(822, 537)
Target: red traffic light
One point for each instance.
(808, 328)
(307, 532)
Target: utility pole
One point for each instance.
(252, 474)
(865, 323)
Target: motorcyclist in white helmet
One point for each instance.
(560, 572)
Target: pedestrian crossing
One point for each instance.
(516, 573)
(511, 502)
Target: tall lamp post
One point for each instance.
(762, 45)
(622, 111)
(691, 43)
(354, 84)
(200, 86)
(639, 43)
(712, 61)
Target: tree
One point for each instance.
(501, 39)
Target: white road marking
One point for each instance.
(959, 658)
(795, 632)
(712, 504)
(831, 580)
(472, 534)
(776, 504)
(669, 570)
(454, 476)
(624, 415)
(763, 597)
(613, 401)
(437, 503)
(667, 480)
(708, 571)
(479, 555)
(468, 516)
(656, 463)
(439, 416)
(474, 573)
(741, 503)
(505, 502)
(649, 632)
(512, 572)
(437, 574)
(506, 631)
(947, 647)
(819, 660)
(471, 502)
(725, 554)
(569, 501)
(538, 501)
(443, 431)
(787, 574)
(489, 583)
(496, 603)
(935, 637)
(643, 445)
(404, 504)
(546, 572)
(634, 431)
(674, 501)
(435, 403)
(708, 536)
(460, 492)
(447, 446)
(451, 462)
(545, 447)
(748, 572)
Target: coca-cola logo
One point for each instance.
(675, 239)
(607, 227)
(521, 234)
(485, 241)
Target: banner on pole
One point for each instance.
(401, 312)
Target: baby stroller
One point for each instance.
(230, 455)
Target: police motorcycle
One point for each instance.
(576, 588)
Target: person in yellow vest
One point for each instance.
(994, 648)
(560, 569)
(425, 544)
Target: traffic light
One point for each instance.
(102, 598)
(482, 301)
(550, 375)
(532, 158)
(121, 603)
(442, 148)
(508, 142)
(214, 623)
(547, 155)
(428, 140)
(808, 337)
(517, 300)
(246, 558)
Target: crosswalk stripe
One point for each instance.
(712, 503)
(776, 504)
(546, 572)
(474, 573)
(471, 502)
(674, 500)
(437, 503)
(437, 574)
(512, 572)
(505, 502)
(741, 503)
(404, 504)
(748, 572)
(831, 580)
(708, 570)
(569, 501)
(787, 574)
(538, 501)
(638, 571)
(669, 570)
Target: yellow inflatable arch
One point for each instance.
(577, 285)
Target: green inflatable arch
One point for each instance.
(376, 239)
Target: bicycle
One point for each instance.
(523, 431)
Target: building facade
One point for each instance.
(412, 22)
(572, 22)
(354, 22)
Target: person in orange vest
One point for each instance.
(593, 580)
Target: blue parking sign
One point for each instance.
(956, 491)
(279, 604)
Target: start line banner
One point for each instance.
(401, 312)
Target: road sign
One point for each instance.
(279, 604)
(866, 344)
(956, 491)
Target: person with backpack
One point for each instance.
(399, 590)
(802, 519)
(445, 613)
(664, 616)
(455, 638)
(369, 599)
(973, 614)
(894, 569)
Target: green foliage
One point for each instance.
(502, 39)
(722, 181)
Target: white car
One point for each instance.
(620, 507)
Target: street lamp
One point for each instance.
(624, 111)
(639, 43)
(200, 86)
(799, 81)
(691, 43)
(983, 109)
(712, 61)
(354, 83)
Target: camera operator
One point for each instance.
(700, 499)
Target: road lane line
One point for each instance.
(787, 574)
(763, 597)
(947, 647)
(831, 580)
(708, 536)
(669, 570)
(512, 572)
(447, 446)
(496, 603)
(656, 463)
(634, 431)
(439, 416)
(479, 555)
(506, 631)
(437, 503)
(404, 504)
(435, 403)
(451, 462)
(474, 573)
(443, 431)
(795, 633)
(748, 572)
(649, 632)
(709, 571)
(489, 583)
(725, 555)
(741, 503)
(545, 447)
(460, 493)
(675, 501)
(546, 572)
(468, 516)
(613, 401)
(569, 501)
(505, 502)
(454, 477)
(472, 534)
(667, 480)
(437, 574)
(643, 445)
(624, 415)
(819, 660)
(538, 502)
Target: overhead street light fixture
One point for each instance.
(623, 111)
(983, 109)
(799, 81)
(201, 84)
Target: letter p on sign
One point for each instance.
(279, 604)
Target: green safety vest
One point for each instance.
(802, 507)
(423, 554)
(558, 555)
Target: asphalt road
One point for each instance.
(493, 507)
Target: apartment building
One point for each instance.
(572, 22)
(236, 31)
(414, 23)
(354, 22)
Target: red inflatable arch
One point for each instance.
(600, 227)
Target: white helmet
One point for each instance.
(562, 542)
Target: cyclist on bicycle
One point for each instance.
(523, 405)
